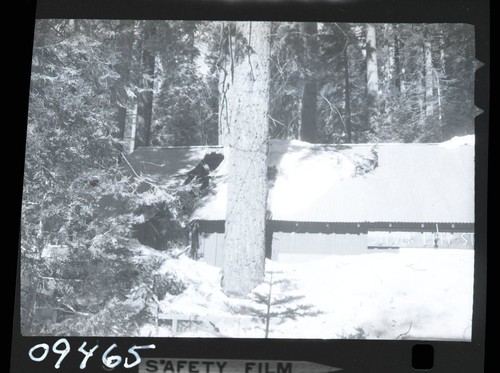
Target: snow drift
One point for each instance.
(413, 294)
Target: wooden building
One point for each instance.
(339, 199)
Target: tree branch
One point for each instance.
(346, 37)
(135, 173)
(231, 54)
(71, 310)
(338, 112)
(405, 333)
(249, 48)
(277, 121)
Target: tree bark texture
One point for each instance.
(348, 124)
(145, 97)
(247, 96)
(397, 62)
(429, 87)
(371, 77)
(308, 130)
(226, 73)
(125, 43)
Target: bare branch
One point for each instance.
(249, 48)
(135, 173)
(346, 37)
(277, 121)
(337, 110)
(71, 310)
(405, 333)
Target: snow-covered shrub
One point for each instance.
(167, 284)
(359, 333)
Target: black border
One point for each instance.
(352, 355)
(18, 103)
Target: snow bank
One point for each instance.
(457, 141)
(203, 300)
(418, 293)
(415, 294)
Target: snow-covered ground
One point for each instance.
(413, 294)
(457, 141)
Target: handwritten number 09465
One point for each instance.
(62, 347)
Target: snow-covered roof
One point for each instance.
(416, 183)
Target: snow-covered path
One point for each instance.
(413, 294)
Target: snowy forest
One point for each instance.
(102, 88)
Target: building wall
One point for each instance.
(292, 247)
(288, 245)
(212, 248)
(445, 240)
(318, 243)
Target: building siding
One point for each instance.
(445, 240)
(287, 245)
(318, 244)
(212, 248)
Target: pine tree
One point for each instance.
(225, 68)
(71, 175)
(247, 95)
(371, 78)
(145, 95)
(276, 308)
(347, 89)
(185, 104)
(429, 79)
(124, 43)
(308, 112)
(397, 61)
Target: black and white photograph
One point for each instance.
(249, 179)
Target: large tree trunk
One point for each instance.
(247, 95)
(226, 74)
(145, 97)
(308, 111)
(125, 41)
(131, 110)
(309, 105)
(348, 125)
(397, 61)
(371, 77)
(429, 87)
